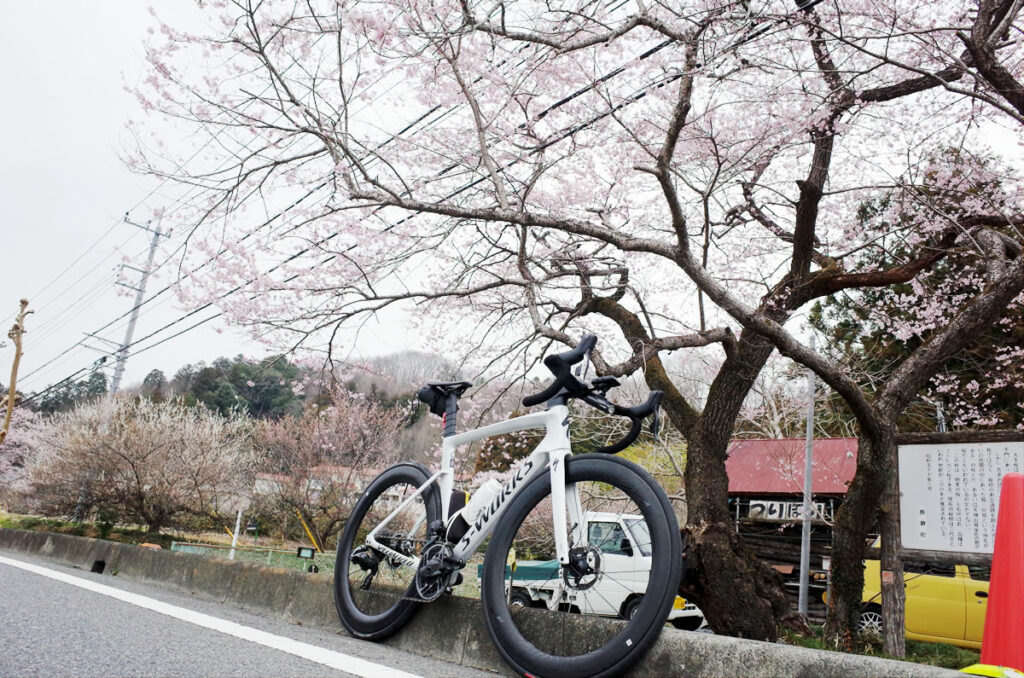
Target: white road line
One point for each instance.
(335, 660)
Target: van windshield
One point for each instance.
(641, 535)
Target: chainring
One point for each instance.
(433, 575)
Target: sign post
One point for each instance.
(808, 508)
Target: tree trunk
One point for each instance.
(875, 476)
(739, 595)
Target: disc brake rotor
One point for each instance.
(583, 569)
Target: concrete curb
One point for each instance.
(308, 599)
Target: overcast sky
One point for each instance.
(64, 193)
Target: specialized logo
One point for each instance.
(488, 512)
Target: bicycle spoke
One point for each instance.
(378, 581)
(614, 577)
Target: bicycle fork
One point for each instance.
(566, 511)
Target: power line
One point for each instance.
(196, 188)
(326, 239)
(568, 132)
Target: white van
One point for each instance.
(537, 583)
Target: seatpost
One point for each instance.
(451, 406)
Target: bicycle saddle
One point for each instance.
(446, 387)
(435, 393)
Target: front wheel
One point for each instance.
(373, 590)
(631, 552)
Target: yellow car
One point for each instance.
(945, 603)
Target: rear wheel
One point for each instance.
(373, 590)
(520, 599)
(631, 551)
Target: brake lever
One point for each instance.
(656, 424)
(581, 371)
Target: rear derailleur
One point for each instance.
(369, 559)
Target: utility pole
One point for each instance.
(140, 292)
(122, 354)
(805, 536)
(9, 401)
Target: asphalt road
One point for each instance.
(51, 626)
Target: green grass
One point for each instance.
(918, 652)
(118, 534)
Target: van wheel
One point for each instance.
(630, 608)
(520, 599)
(870, 620)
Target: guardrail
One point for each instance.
(269, 556)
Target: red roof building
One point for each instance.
(775, 467)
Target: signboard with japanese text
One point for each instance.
(949, 493)
(786, 511)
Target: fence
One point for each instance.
(323, 562)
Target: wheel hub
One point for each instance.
(583, 569)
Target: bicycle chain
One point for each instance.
(421, 542)
(396, 597)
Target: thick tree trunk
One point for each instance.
(873, 486)
(739, 595)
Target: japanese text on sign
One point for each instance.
(950, 493)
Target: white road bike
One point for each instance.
(410, 535)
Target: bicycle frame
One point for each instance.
(549, 455)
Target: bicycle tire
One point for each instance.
(379, 610)
(553, 643)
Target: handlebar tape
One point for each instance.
(636, 414)
(560, 364)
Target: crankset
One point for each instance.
(438, 571)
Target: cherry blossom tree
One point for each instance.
(17, 452)
(154, 463)
(319, 463)
(669, 176)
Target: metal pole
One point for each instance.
(122, 354)
(140, 292)
(805, 537)
(234, 537)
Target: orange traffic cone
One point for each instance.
(1003, 641)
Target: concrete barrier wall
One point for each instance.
(309, 599)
